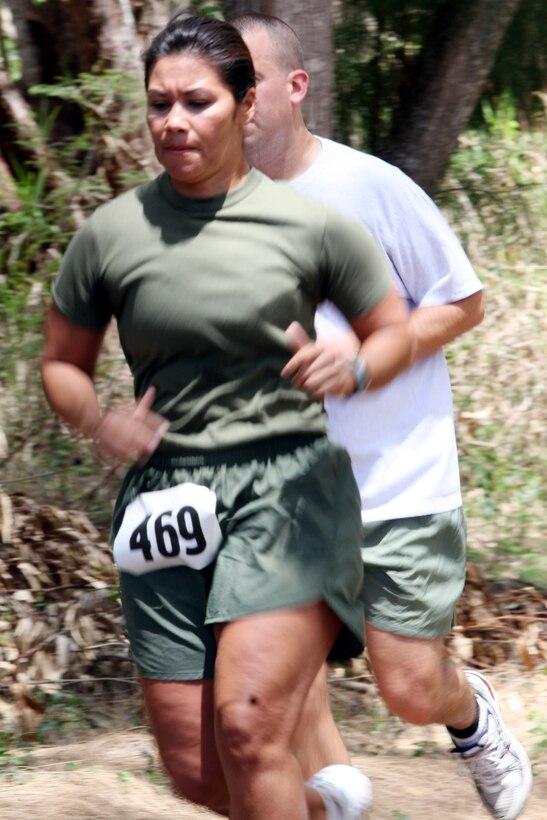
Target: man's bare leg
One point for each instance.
(422, 687)
(317, 741)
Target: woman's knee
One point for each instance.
(265, 666)
(250, 732)
(182, 720)
(203, 787)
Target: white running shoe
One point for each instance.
(345, 791)
(498, 763)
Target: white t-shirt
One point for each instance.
(401, 437)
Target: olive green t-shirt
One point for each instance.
(203, 290)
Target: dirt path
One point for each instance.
(115, 776)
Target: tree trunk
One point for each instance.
(314, 29)
(15, 112)
(446, 84)
(9, 199)
(61, 38)
(113, 42)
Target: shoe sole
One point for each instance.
(485, 689)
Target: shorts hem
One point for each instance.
(425, 634)
(300, 604)
(357, 647)
(177, 677)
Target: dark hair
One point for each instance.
(213, 40)
(283, 37)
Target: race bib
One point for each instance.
(167, 528)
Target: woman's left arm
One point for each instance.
(387, 344)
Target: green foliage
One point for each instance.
(33, 239)
(495, 187)
(11, 757)
(78, 172)
(65, 712)
(502, 121)
(377, 43)
(425, 747)
(10, 58)
(111, 105)
(539, 731)
(207, 8)
(359, 83)
(27, 232)
(494, 195)
(520, 69)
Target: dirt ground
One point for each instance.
(115, 776)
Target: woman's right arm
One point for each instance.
(68, 367)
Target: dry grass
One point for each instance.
(96, 794)
(116, 774)
(498, 370)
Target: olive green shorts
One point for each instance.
(414, 573)
(289, 513)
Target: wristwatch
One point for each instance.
(362, 378)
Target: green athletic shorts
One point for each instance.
(414, 573)
(289, 512)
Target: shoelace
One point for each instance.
(492, 759)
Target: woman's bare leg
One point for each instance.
(265, 666)
(182, 720)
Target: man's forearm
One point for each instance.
(437, 325)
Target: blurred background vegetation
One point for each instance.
(72, 136)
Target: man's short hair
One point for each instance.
(283, 37)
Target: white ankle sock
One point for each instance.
(345, 791)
